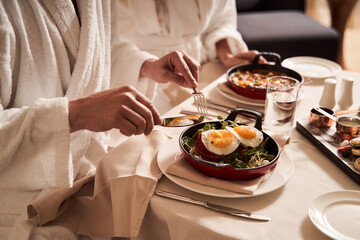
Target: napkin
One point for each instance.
(112, 201)
(179, 167)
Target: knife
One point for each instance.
(215, 207)
(216, 103)
(229, 108)
(182, 121)
(189, 113)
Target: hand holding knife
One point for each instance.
(182, 121)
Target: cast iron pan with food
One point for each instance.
(255, 92)
(224, 170)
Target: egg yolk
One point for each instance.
(221, 139)
(245, 132)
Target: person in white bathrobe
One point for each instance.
(205, 29)
(56, 101)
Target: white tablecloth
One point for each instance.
(314, 174)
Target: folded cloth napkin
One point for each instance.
(112, 201)
(179, 167)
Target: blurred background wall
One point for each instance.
(320, 10)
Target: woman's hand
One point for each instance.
(176, 67)
(229, 60)
(123, 108)
(241, 58)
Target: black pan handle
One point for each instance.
(273, 56)
(258, 122)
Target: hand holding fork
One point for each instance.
(179, 68)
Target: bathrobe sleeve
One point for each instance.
(127, 59)
(222, 25)
(34, 140)
(35, 146)
(126, 63)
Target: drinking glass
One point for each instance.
(280, 105)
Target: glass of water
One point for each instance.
(280, 105)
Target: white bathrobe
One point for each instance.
(160, 27)
(48, 57)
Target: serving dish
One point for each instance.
(328, 142)
(319, 120)
(312, 67)
(224, 170)
(259, 92)
(275, 179)
(348, 125)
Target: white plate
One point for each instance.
(312, 67)
(227, 92)
(337, 214)
(279, 176)
(230, 94)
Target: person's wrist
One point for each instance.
(145, 70)
(75, 120)
(226, 59)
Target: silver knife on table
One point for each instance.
(215, 207)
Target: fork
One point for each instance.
(200, 102)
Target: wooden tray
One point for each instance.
(328, 142)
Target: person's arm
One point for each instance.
(222, 26)
(131, 66)
(228, 59)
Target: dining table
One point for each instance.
(305, 172)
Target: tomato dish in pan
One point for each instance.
(255, 78)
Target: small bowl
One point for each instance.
(348, 125)
(319, 120)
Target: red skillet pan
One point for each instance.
(255, 92)
(223, 170)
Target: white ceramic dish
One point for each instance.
(336, 214)
(276, 179)
(231, 95)
(312, 67)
